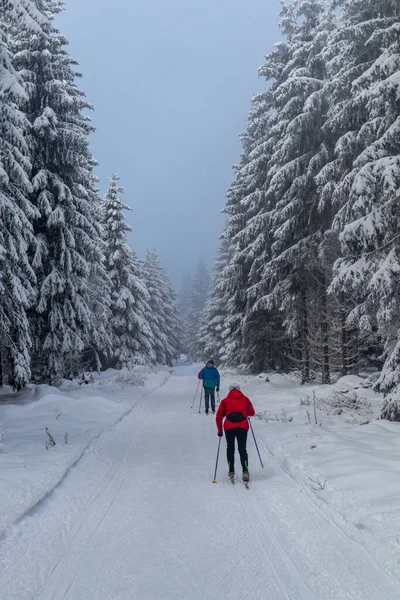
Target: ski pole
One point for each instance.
(216, 464)
(194, 399)
(201, 397)
(255, 441)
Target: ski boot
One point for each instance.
(246, 476)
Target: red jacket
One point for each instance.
(233, 403)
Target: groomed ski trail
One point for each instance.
(139, 519)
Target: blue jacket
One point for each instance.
(210, 377)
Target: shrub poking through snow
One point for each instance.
(352, 402)
(317, 485)
(86, 378)
(338, 403)
(1, 440)
(283, 417)
(66, 436)
(50, 440)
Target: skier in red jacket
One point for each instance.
(236, 409)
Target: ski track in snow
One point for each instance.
(138, 519)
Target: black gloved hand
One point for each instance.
(220, 434)
(217, 389)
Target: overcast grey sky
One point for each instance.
(171, 82)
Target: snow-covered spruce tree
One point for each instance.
(248, 224)
(244, 198)
(248, 341)
(210, 342)
(281, 275)
(198, 297)
(347, 55)
(66, 228)
(99, 344)
(366, 108)
(22, 14)
(132, 339)
(17, 278)
(163, 317)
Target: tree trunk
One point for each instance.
(268, 357)
(1, 367)
(305, 376)
(326, 375)
(343, 337)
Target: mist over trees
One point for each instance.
(191, 303)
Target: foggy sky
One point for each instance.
(171, 82)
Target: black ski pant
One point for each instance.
(241, 435)
(209, 393)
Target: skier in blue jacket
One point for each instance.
(211, 380)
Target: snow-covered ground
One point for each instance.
(349, 453)
(28, 469)
(126, 510)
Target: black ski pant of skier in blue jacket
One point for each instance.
(209, 393)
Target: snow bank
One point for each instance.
(30, 466)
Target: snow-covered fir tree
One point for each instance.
(198, 297)
(210, 339)
(285, 280)
(366, 91)
(272, 203)
(66, 229)
(17, 278)
(23, 14)
(163, 318)
(132, 338)
(245, 196)
(282, 311)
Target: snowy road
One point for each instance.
(138, 519)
